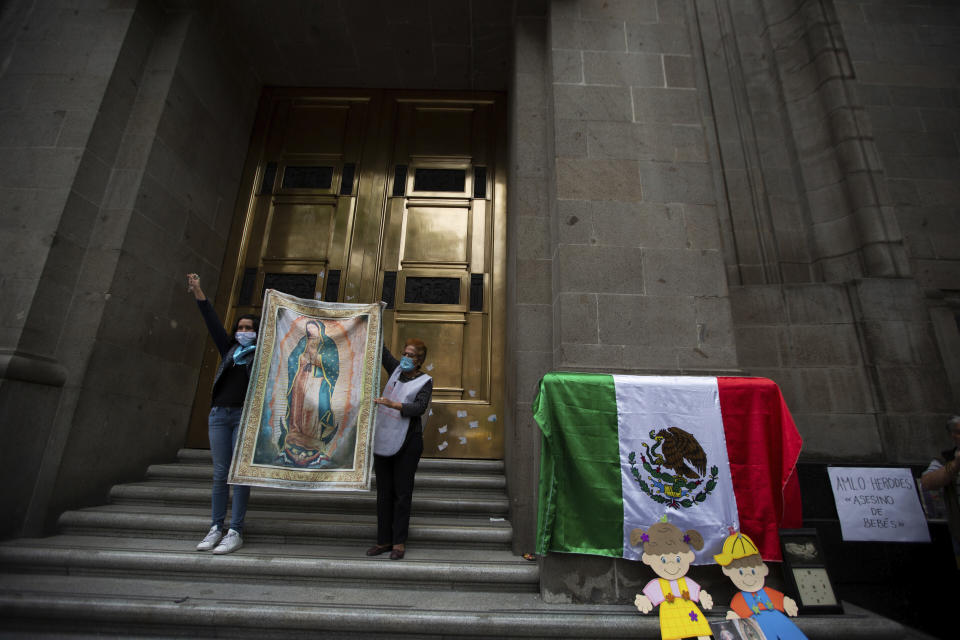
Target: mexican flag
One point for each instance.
(620, 452)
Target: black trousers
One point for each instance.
(395, 489)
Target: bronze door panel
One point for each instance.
(435, 235)
(353, 195)
(300, 230)
(316, 128)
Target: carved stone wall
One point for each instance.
(825, 299)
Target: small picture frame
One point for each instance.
(739, 629)
(805, 572)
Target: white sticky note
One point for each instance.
(442, 429)
(443, 445)
(461, 414)
(474, 424)
(473, 393)
(430, 367)
(462, 440)
(492, 417)
(430, 412)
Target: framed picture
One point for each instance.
(739, 629)
(805, 571)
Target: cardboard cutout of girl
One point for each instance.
(741, 562)
(667, 551)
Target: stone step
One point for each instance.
(140, 606)
(58, 606)
(477, 503)
(315, 565)
(454, 465)
(424, 479)
(190, 523)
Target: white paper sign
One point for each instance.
(878, 504)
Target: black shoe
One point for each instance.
(378, 549)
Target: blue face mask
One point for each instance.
(407, 364)
(245, 338)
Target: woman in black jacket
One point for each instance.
(229, 391)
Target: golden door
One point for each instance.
(357, 196)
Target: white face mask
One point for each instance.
(245, 338)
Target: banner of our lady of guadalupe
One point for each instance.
(308, 417)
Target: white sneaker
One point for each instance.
(230, 543)
(211, 539)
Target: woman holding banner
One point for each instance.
(398, 444)
(229, 392)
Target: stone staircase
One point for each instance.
(128, 569)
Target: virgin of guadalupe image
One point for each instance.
(310, 424)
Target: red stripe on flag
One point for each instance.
(763, 445)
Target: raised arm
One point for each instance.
(220, 336)
(389, 362)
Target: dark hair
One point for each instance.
(420, 346)
(248, 316)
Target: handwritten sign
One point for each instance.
(878, 504)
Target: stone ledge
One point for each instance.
(422, 568)
(292, 612)
(29, 367)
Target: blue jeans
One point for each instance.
(224, 425)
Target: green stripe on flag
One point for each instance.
(581, 503)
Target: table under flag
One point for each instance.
(621, 452)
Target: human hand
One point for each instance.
(388, 403)
(732, 615)
(193, 286)
(643, 603)
(706, 600)
(790, 606)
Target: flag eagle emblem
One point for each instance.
(676, 469)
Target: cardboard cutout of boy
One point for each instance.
(667, 551)
(741, 562)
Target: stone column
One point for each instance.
(905, 61)
(102, 340)
(529, 313)
(62, 67)
(853, 223)
(638, 279)
(639, 282)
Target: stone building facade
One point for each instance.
(746, 187)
